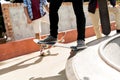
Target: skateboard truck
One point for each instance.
(44, 46)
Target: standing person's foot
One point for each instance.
(48, 40)
(37, 36)
(118, 31)
(80, 45)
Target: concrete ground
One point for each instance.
(95, 64)
(35, 67)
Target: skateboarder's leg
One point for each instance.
(116, 12)
(95, 22)
(37, 28)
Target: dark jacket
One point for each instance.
(92, 5)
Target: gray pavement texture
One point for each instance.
(88, 65)
(35, 67)
(51, 67)
(110, 52)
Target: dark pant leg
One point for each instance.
(3, 25)
(53, 16)
(80, 18)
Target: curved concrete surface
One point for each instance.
(87, 64)
(110, 52)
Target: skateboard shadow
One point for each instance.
(74, 52)
(59, 76)
(55, 54)
(21, 64)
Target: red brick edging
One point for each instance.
(26, 46)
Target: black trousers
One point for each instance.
(79, 13)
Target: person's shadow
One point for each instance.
(60, 76)
(20, 65)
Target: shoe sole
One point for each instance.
(83, 47)
(78, 48)
(39, 42)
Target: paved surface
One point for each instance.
(34, 67)
(87, 64)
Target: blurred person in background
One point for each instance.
(34, 10)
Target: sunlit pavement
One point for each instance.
(35, 67)
(100, 61)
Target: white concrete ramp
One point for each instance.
(89, 65)
(110, 52)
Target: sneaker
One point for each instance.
(49, 39)
(80, 45)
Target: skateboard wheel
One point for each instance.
(48, 51)
(42, 53)
(45, 53)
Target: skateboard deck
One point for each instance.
(57, 44)
(104, 17)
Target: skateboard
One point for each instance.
(104, 17)
(45, 46)
(46, 51)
